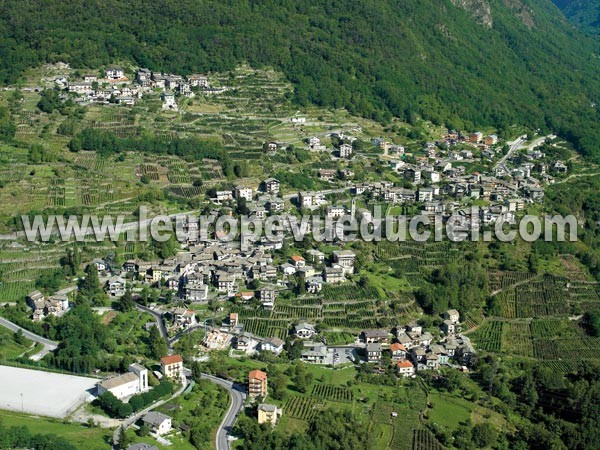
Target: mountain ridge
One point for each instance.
(583, 13)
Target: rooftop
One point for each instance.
(257, 374)
(119, 380)
(155, 418)
(172, 359)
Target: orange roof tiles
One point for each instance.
(167, 360)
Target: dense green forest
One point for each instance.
(583, 13)
(523, 64)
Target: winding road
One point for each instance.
(238, 398)
(137, 416)
(47, 343)
(514, 146)
(158, 318)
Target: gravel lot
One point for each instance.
(43, 393)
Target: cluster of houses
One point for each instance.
(116, 87)
(226, 269)
(440, 186)
(413, 349)
(410, 348)
(42, 306)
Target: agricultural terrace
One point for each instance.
(559, 343)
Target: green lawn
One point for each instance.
(9, 349)
(447, 410)
(178, 441)
(81, 436)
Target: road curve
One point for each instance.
(47, 343)
(158, 318)
(138, 415)
(238, 398)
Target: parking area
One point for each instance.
(43, 393)
(341, 355)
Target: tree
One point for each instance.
(7, 126)
(277, 386)
(293, 348)
(19, 338)
(49, 101)
(82, 337)
(127, 303)
(302, 378)
(157, 347)
(592, 322)
(241, 208)
(124, 440)
(484, 434)
(196, 371)
(90, 284)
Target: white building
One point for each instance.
(126, 385)
(243, 192)
(304, 330)
(345, 151)
(273, 344)
(223, 196)
(196, 291)
(169, 103)
(159, 423)
(406, 368)
(334, 212)
(114, 73)
(197, 80)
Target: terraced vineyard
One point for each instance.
(424, 439)
(332, 393)
(536, 298)
(348, 292)
(567, 349)
(516, 339)
(188, 191)
(11, 291)
(473, 319)
(267, 327)
(489, 336)
(584, 295)
(303, 408)
(498, 280)
(296, 312)
(405, 420)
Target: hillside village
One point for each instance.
(317, 307)
(253, 276)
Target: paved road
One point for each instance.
(514, 146)
(322, 192)
(158, 318)
(47, 343)
(238, 398)
(172, 341)
(137, 416)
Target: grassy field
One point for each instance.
(83, 437)
(447, 410)
(9, 349)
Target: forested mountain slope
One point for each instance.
(583, 13)
(466, 63)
